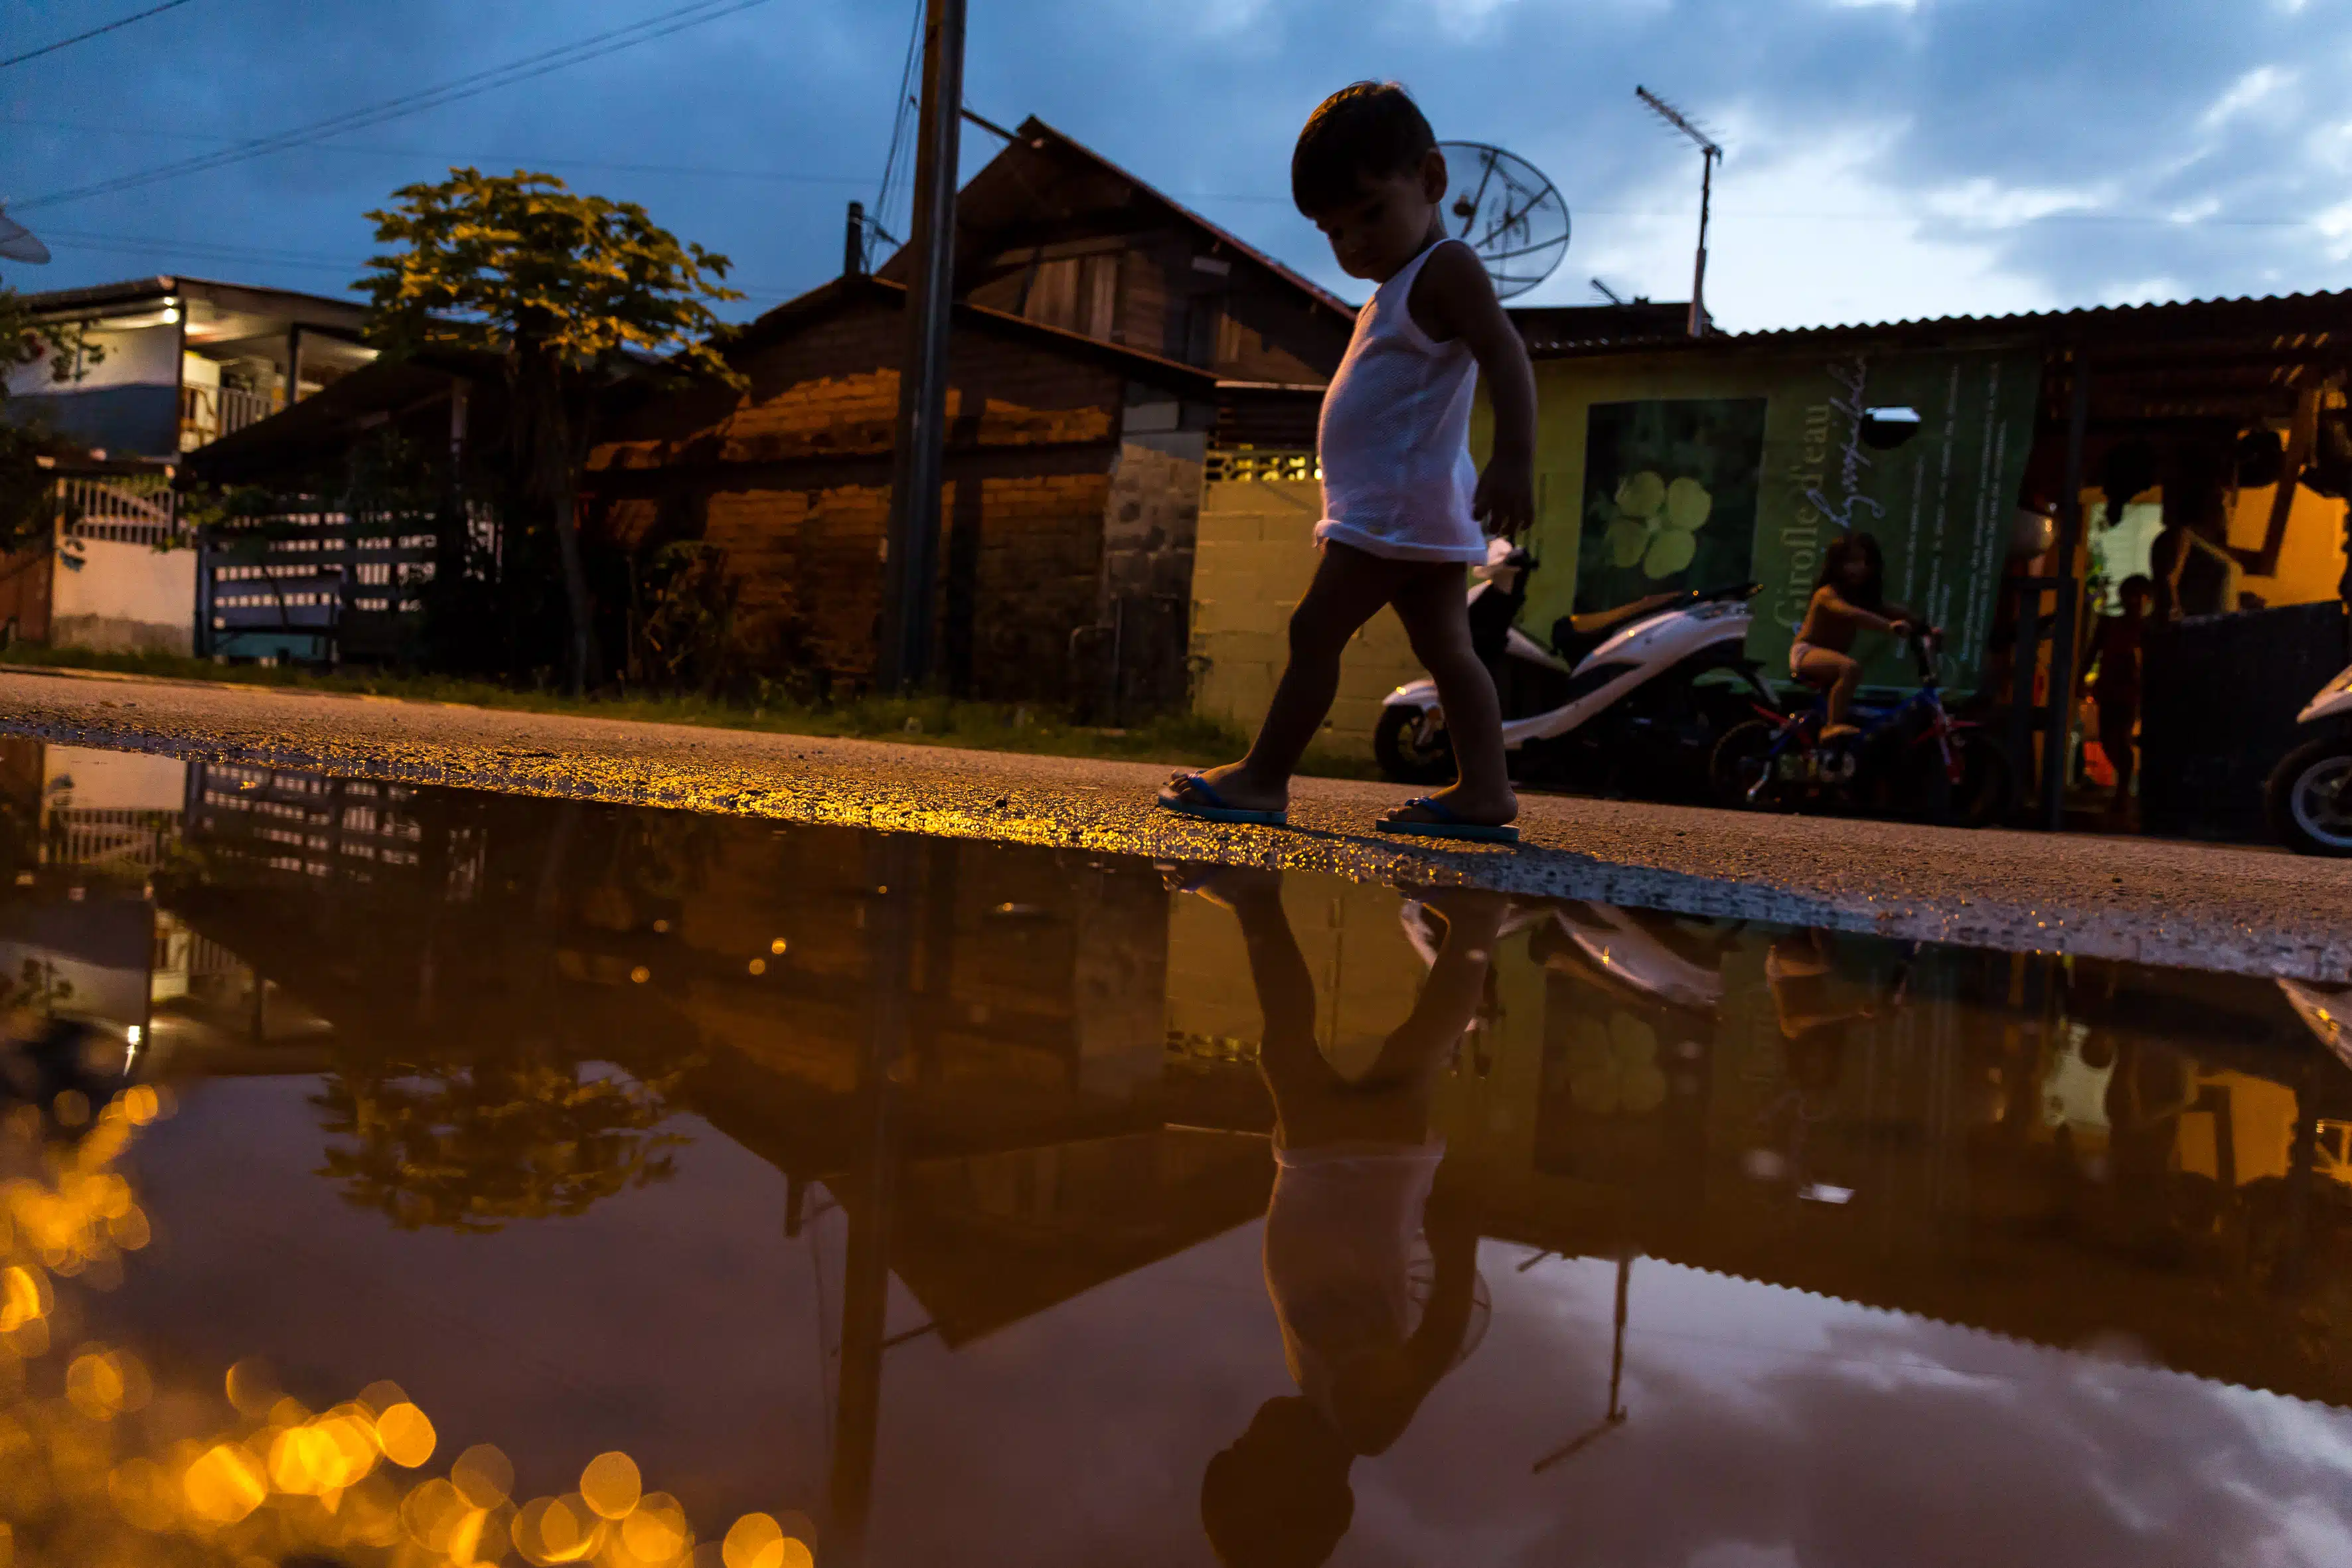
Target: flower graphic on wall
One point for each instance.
(1612, 1068)
(1656, 523)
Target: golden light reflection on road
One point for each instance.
(103, 1461)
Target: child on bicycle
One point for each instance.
(1850, 594)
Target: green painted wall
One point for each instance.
(1941, 506)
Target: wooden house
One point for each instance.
(1052, 232)
(1104, 336)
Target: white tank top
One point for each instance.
(1395, 435)
(1339, 1252)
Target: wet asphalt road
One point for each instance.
(2245, 910)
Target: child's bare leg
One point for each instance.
(1841, 674)
(1350, 587)
(1432, 602)
(1449, 998)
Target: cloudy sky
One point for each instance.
(1885, 158)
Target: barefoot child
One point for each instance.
(1401, 499)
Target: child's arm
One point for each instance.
(1453, 298)
(1830, 599)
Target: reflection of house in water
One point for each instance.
(2027, 1146)
(2051, 1149)
(83, 933)
(1024, 1073)
(115, 811)
(1031, 1111)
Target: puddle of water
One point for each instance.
(911, 1202)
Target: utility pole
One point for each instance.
(917, 470)
(1708, 153)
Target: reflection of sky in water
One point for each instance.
(1769, 1426)
(1077, 1316)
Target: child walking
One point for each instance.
(1402, 502)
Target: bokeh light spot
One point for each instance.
(655, 1529)
(558, 1529)
(95, 1385)
(378, 1397)
(225, 1484)
(252, 1388)
(758, 1541)
(611, 1484)
(407, 1435)
(484, 1474)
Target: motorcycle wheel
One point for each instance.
(1411, 750)
(1742, 758)
(1985, 794)
(2309, 798)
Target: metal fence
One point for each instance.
(125, 509)
(1229, 464)
(209, 413)
(316, 585)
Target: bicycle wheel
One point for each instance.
(1742, 774)
(1984, 793)
(1413, 747)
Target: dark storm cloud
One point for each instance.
(1885, 159)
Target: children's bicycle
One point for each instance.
(1909, 759)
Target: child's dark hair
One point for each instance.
(2138, 583)
(1861, 547)
(1367, 129)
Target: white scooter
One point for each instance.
(1631, 699)
(2310, 792)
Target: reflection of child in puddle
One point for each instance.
(1797, 971)
(1356, 1184)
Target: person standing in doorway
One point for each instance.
(1403, 502)
(2115, 687)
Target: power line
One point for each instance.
(94, 32)
(782, 176)
(596, 46)
(900, 125)
(1253, 198)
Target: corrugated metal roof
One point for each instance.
(133, 290)
(2241, 313)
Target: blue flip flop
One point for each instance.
(1211, 806)
(1449, 825)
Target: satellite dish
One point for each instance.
(1507, 212)
(16, 242)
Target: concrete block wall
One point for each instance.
(125, 598)
(1255, 557)
(1151, 528)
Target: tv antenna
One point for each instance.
(17, 242)
(1506, 210)
(1606, 292)
(1708, 153)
